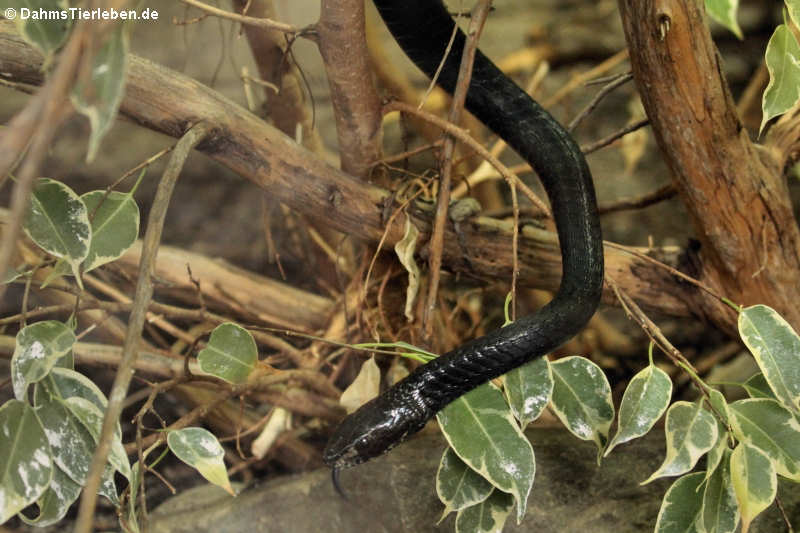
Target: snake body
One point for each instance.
(423, 29)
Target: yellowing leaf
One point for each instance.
(201, 450)
(364, 388)
(405, 248)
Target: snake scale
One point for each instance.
(423, 29)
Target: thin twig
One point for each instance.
(647, 199)
(636, 314)
(250, 21)
(468, 140)
(436, 246)
(582, 78)
(484, 171)
(671, 270)
(144, 291)
(615, 82)
(593, 147)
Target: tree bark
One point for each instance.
(736, 193)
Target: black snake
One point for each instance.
(423, 29)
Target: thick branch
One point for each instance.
(168, 102)
(738, 200)
(356, 106)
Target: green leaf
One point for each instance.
(71, 444)
(645, 400)
(717, 452)
(681, 507)
(38, 349)
(56, 501)
(115, 226)
(58, 223)
(529, 389)
(47, 35)
(99, 99)
(724, 12)
(720, 513)
(776, 348)
(719, 405)
(691, 431)
(793, 7)
(231, 353)
(773, 429)
(582, 399)
(457, 485)
(200, 449)
(488, 516)
(783, 63)
(754, 482)
(64, 383)
(25, 464)
(483, 433)
(91, 417)
(757, 387)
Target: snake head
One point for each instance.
(374, 429)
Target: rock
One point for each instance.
(396, 493)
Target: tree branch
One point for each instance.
(168, 102)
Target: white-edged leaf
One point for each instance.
(58, 223)
(645, 400)
(719, 407)
(457, 485)
(91, 417)
(488, 516)
(45, 34)
(793, 7)
(56, 501)
(115, 226)
(754, 482)
(38, 349)
(25, 464)
(71, 444)
(582, 399)
(231, 353)
(201, 450)
(529, 389)
(65, 383)
(720, 513)
(99, 97)
(776, 348)
(364, 388)
(717, 452)
(482, 431)
(691, 431)
(681, 506)
(767, 425)
(405, 248)
(724, 12)
(783, 64)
